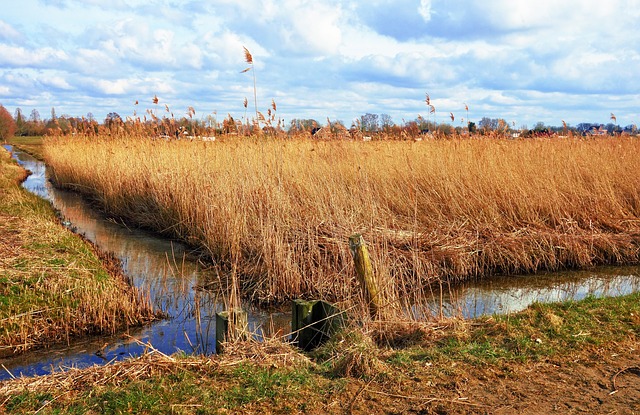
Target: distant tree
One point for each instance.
(472, 127)
(34, 125)
(446, 129)
(583, 126)
(299, 125)
(369, 123)
(421, 123)
(111, 117)
(112, 120)
(386, 122)
(53, 114)
(337, 126)
(611, 128)
(35, 116)
(539, 126)
(66, 123)
(20, 122)
(411, 128)
(487, 124)
(7, 124)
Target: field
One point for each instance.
(277, 214)
(430, 211)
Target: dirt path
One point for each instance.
(603, 383)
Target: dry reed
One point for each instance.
(279, 212)
(54, 285)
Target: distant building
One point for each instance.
(596, 130)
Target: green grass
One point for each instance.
(30, 144)
(202, 392)
(542, 331)
(491, 346)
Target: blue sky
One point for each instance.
(521, 60)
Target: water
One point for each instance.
(159, 266)
(169, 273)
(510, 294)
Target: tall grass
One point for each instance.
(53, 284)
(279, 213)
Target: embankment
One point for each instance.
(53, 284)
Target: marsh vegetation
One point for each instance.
(277, 214)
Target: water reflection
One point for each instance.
(509, 294)
(167, 271)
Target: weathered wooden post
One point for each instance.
(302, 318)
(364, 272)
(231, 325)
(314, 322)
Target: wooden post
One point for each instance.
(314, 322)
(231, 325)
(301, 322)
(364, 272)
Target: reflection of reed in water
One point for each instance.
(172, 278)
(515, 293)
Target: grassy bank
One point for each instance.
(565, 358)
(53, 284)
(279, 213)
(30, 144)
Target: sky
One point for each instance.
(520, 60)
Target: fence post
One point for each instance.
(231, 325)
(364, 272)
(314, 322)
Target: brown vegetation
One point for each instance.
(279, 213)
(7, 124)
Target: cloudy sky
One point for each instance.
(522, 60)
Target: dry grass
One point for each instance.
(279, 213)
(353, 353)
(54, 285)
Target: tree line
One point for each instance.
(21, 124)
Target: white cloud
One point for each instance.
(92, 61)
(55, 81)
(23, 57)
(117, 87)
(425, 10)
(8, 32)
(316, 27)
(343, 58)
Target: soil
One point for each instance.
(605, 382)
(602, 381)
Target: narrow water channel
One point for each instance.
(166, 270)
(163, 268)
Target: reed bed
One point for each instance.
(278, 213)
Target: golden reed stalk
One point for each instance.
(280, 212)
